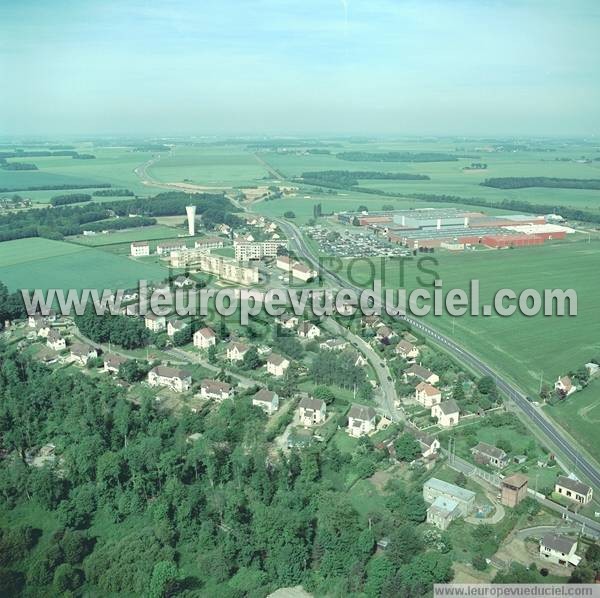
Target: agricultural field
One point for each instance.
(145, 233)
(42, 263)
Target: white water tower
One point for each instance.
(191, 216)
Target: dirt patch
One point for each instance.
(380, 478)
(464, 573)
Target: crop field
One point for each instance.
(212, 166)
(145, 233)
(523, 348)
(42, 263)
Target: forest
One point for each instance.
(541, 181)
(64, 200)
(344, 179)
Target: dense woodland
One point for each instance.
(344, 179)
(540, 181)
(65, 200)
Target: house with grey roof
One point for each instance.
(176, 379)
(311, 411)
(559, 550)
(489, 455)
(267, 400)
(573, 490)
(435, 488)
(361, 420)
(446, 412)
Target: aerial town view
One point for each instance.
(299, 299)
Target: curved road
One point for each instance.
(554, 434)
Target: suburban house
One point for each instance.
(55, 341)
(277, 365)
(565, 386)
(36, 321)
(175, 326)
(361, 420)
(236, 351)
(181, 282)
(288, 321)
(358, 359)
(489, 455)
(205, 338)
(407, 350)
(423, 374)
(371, 321)
(81, 353)
(447, 502)
(308, 330)
(155, 323)
(112, 363)
(311, 411)
(333, 344)
(447, 413)
(385, 334)
(215, 389)
(139, 248)
(573, 490)
(173, 378)
(267, 400)
(559, 550)
(427, 395)
(430, 445)
(514, 489)
(43, 330)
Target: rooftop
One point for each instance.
(450, 489)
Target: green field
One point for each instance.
(43, 264)
(145, 233)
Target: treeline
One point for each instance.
(397, 156)
(65, 200)
(41, 154)
(59, 222)
(64, 187)
(129, 333)
(17, 166)
(146, 501)
(516, 205)
(84, 157)
(541, 181)
(113, 193)
(11, 305)
(344, 179)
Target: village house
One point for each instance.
(277, 365)
(55, 341)
(559, 550)
(573, 490)
(430, 445)
(182, 282)
(361, 420)
(371, 322)
(176, 379)
(427, 395)
(565, 386)
(423, 374)
(514, 489)
(385, 334)
(236, 351)
(112, 363)
(592, 368)
(358, 359)
(244, 238)
(308, 330)
(36, 321)
(175, 326)
(489, 455)
(407, 350)
(287, 321)
(155, 323)
(139, 249)
(215, 389)
(81, 353)
(447, 413)
(205, 338)
(267, 400)
(43, 330)
(447, 502)
(333, 344)
(311, 411)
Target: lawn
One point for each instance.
(42, 263)
(145, 233)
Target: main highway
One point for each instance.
(554, 435)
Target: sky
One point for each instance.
(301, 67)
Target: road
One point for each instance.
(583, 464)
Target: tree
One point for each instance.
(289, 214)
(458, 392)
(461, 479)
(251, 359)
(404, 545)
(67, 577)
(163, 575)
(324, 393)
(479, 562)
(407, 448)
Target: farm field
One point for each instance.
(523, 348)
(145, 233)
(42, 263)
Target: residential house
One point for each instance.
(427, 395)
(215, 389)
(514, 489)
(205, 338)
(385, 334)
(309, 330)
(287, 321)
(559, 550)
(311, 411)
(489, 455)
(407, 350)
(81, 353)
(155, 323)
(139, 248)
(361, 420)
(333, 344)
(303, 272)
(55, 341)
(442, 512)
(573, 490)
(182, 282)
(267, 400)
(592, 368)
(283, 262)
(434, 488)
(43, 330)
(447, 413)
(112, 363)
(418, 371)
(175, 326)
(37, 321)
(565, 386)
(277, 365)
(236, 351)
(176, 379)
(371, 322)
(430, 445)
